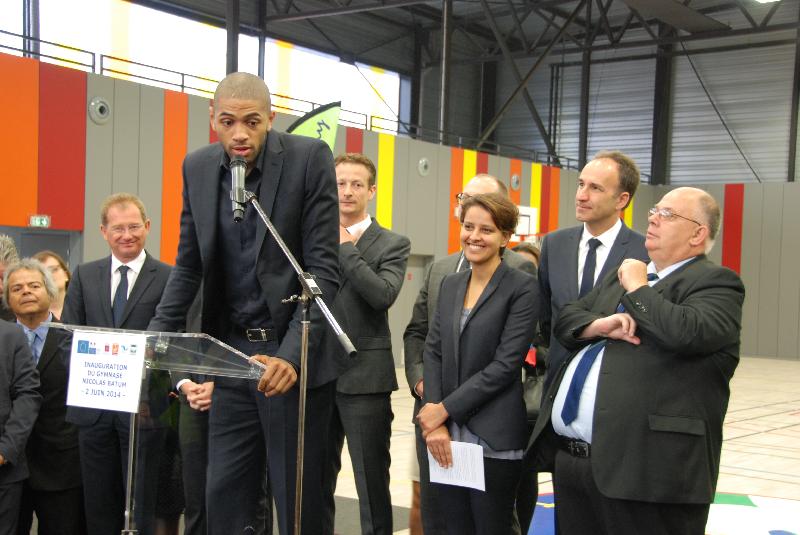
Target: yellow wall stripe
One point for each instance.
(627, 215)
(385, 179)
(536, 186)
(470, 165)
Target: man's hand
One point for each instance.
(632, 274)
(420, 389)
(198, 395)
(345, 236)
(438, 442)
(431, 416)
(278, 378)
(620, 326)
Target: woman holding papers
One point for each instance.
(484, 325)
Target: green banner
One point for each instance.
(319, 123)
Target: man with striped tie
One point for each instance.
(633, 423)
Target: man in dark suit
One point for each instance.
(8, 256)
(19, 406)
(119, 291)
(606, 186)
(245, 277)
(372, 264)
(414, 342)
(53, 489)
(633, 421)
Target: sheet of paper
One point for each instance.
(467, 469)
(105, 370)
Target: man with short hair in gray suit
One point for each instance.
(433, 521)
(372, 264)
(606, 186)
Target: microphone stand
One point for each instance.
(310, 294)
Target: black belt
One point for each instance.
(576, 448)
(257, 334)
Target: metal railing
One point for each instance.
(199, 85)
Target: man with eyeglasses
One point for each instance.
(433, 517)
(119, 291)
(634, 422)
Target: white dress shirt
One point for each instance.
(607, 240)
(135, 266)
(581, 427)
(359, 228)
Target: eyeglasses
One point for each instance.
(461, 197)
(668, 215)
(120, 229)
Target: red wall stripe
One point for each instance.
(515, 194)
(19, 97)
(456, 185)
(62, 146)
(555, 191)
(544, 212)
(176, 128)
(354, 140)
(482, 163)
(732, 227)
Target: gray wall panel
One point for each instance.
(422, 197)
(718, 192)
(442, 213)
(788, 281)
(199, 127)
(642, 201)
(525, 184)
(125, 156)
(400, 201)
(371, 152)
(566, 198)
(151, 152)
(495, 167)
(99, 166)
(766, 320)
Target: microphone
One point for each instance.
(238, 170)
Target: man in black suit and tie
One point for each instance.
(53, 489)
(433, 518)
(574, 258)
(19, 406)
(119, 291)
(245, 278)
(634, 418)
(372, 264)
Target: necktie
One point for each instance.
(571, 402)
(587, 280)
(120, 296)
(32, 344)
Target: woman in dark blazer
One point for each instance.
(484, 325)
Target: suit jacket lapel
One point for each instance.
(368, 238)
(104, 289)
(456, 311)
(270, 179)
(494, 282)
(49, 350)
(571, 262)
(617, 253)
(143, 280)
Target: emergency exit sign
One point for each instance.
(41, 221)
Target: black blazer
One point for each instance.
(657, 428)
(19, 401)
(476, 372)
(88, 302)
(298, 193)
(372, 271)
(53, 458)
(558, 278)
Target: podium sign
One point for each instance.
(106, 370)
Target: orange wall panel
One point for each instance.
(176, 131)
(19, 96)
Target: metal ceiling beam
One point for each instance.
(537, 119)
(232, 33)
(504, 108)
(345, 10)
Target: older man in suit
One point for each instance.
(53, 489)
(8, 255)
(372, 262)
(573, 259)
(414, 341)
(245, 278)
(633, 421)
(119, 291)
